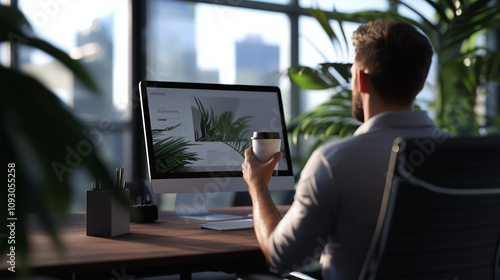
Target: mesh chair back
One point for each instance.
(440, 218)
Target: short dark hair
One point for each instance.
(397, 56)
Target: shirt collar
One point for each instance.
(395, 119)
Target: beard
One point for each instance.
(357, 108)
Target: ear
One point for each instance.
(364, 81)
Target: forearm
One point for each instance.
(266, 217)
(265, 214)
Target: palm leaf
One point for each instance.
(15, 28)
(331, 118)
(454, 38)
(44, 159)
(62, 57)
(224, 128)
(342, 69)
(438, 8)
(308, 78)
(42, 138)
(325, 76)
(172, 155)
(324, 21)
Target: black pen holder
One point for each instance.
(106, 216)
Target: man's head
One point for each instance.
(395, 57)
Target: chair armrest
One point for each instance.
(295, 275)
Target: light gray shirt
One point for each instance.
(337, 200)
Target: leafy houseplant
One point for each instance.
(464, 67)
(333, 117)
(42, 143)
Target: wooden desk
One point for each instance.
(172, 245)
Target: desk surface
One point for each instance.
(171, 245)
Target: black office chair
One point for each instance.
(440, 215)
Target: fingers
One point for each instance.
(276, 158)
(255, 173)
(248, 151)
(250, 156)
(251, 162)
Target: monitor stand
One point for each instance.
(194, 206)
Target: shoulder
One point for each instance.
(325, 159)
(340, 149)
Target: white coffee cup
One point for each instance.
(265, 145)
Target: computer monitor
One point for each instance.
(196, 135)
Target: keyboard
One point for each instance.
(229, 225)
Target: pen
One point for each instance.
(122, 185)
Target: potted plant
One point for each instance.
(42, 144)
(464, 67)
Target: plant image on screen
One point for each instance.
(223, 128)
(171, 153)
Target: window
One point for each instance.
(91, 32)
(346, 6)
(197, 42)
(221, 41)
(315, 47)
(95, 33)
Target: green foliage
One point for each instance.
(464, 67)
(224, 128)
(326, 120)
(42, 138)
(322, 77)
(16, 29)
(171, 154)
(333, 117)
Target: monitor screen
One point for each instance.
(196, 134)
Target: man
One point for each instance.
(338, 197)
